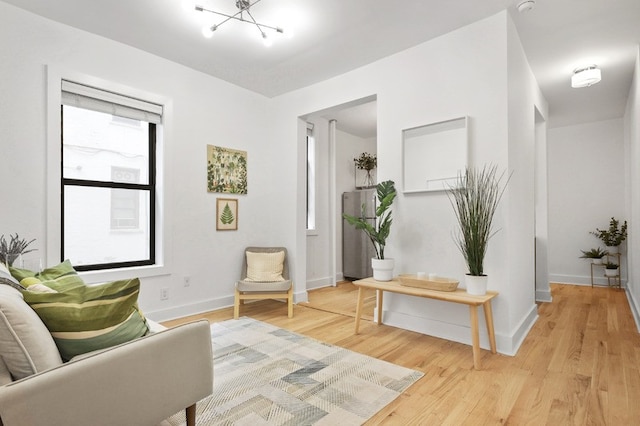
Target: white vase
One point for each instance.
(611, 272)
(476, 285)
(613, 249)
(382, 269)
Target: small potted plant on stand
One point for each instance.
(614, 236)
(595, 254)
(378, 232)
(475, 197)
(611, 269)
(367, 162)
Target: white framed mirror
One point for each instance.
(434, 155)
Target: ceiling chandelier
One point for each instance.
(243, 15)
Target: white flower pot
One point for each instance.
(613, 249)
(476, 285)
(611, 272)
(597, 261)
(382, 269)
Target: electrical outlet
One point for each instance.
(187, 281)
(164, 293)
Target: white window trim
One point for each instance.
(55, 75)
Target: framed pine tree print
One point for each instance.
(226, 214)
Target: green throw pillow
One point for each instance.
(84, 318)
(61, 275)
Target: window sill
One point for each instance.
(94, 277)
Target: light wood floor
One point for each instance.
(580, 364)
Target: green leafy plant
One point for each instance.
(615, 235)
(594, 253)
(474, 198)
(9, 251)
(366, 161)
(378, 234)
(610, 265)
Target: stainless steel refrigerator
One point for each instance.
(357, 249)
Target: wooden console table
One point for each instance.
(458, 296)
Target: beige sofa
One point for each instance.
(141, 382)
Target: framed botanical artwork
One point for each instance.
(226, 214)
(226, 170)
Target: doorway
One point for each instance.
(340, 133)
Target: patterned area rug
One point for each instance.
(264, 375)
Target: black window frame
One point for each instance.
(149, 187)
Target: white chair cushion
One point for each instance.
(262, 287)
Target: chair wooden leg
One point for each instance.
(236, 306)
(191, 415)
(290, 301)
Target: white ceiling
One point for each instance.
(330, 37)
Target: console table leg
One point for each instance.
(379, 298)
(359, 308)
(475, 336)
(488, 316)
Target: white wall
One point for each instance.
(202, 111)
(444, 78)
(586, 188)
(632, 155)
(525, 101)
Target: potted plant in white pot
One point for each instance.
(378, 232)
(475, 197)
(614, 236)
(595, 254)
(611, 269)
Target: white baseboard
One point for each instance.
(505, 344)
(190, 309)
(582, 280)
(319, 283)
(633, 304)
(543, 296)
(209, 305)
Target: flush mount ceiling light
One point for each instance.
(526, 5)
(585, 76)
(244, 8)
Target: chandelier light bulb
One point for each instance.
(207, 31)
(266, 40)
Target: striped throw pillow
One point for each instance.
(61, 274)
(84, 318)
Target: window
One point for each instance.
(125, 203)
(311, 178)
(108, 178)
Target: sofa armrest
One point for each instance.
(138, 383)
